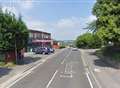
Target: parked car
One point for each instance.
(33, 49)
(42, 50)
(46, 50)
(51, 50)
(39, 50)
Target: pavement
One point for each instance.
(63, 70)
(105, 76)
(9, 74)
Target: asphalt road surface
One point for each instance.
(64, 70)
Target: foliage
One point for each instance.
(108, 20)
(92, 26)
(109, 52)
(61, 47)
(88, 40)
(12, 31)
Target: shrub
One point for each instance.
(88, 40)
(61, 47)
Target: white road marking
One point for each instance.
(52, 79)
(12, 83)
(66, 66)
(18, 77)
(68, 73)
(65, 76)
(97, 70)
(87, 70)
(71, 71)
(66, 57)
(96, 80)
(91, 85)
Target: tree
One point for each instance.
(92, 26)
(88, 40)
(108, 20)
(13, 32)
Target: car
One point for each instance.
(33, 49)
(46, 50)
(39, 50)
(74, 49)
(51, 50)
(42, 50)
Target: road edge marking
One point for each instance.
(89, 80)
(89, 71)
(10, 82)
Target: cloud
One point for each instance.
(11, 9)
(91, 18)
(67, 23)
(65, 28)
(36, 25)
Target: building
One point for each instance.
(56, 44)
(39, 39)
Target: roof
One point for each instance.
(36, 31)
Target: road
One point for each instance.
(64, 70)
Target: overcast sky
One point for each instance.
(64, 19)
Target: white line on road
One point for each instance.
(89, 80)
(10, 82)
(66, 57)
(89, 70)
(52, 79)
(23, 75)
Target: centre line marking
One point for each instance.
(52, 79)
(66, 57)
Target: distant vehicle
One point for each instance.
(74, 49)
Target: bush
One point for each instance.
(112, 52)
(88, 40)
(61, 47)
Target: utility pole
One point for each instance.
(16, 50)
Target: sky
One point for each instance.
(64, 19)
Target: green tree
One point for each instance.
(108, 20)
(92, 26)
(88, 40)
(12, 31)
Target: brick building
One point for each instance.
(39, 39)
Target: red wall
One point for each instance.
(10, 57)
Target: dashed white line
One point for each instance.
(66, 57)
(52, 79)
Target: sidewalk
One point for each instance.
(106, 75)
(31, 60)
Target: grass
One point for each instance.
(9, 64)
(2, 64)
